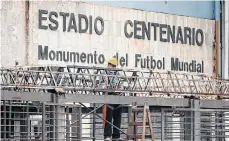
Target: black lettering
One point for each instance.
(199, 68)
(64, 19)
(193, 36)
(95, 57)
(83, 57)
(126, 59)
(122, 61)
(181, 66)
(66, 59)
(187, 35)
(43, 54)
(96, 26)
(174, 64)
(59, 55)
(179, 35)
(125, 29)
(73, 56)
(90, 24)
(194, 69)
(90, 57)
(143, 63)
(202, 66)
(55, 26)
(199, 32)
(186, 66)
(162, 26)
(81, 30)
(190, 67)
(41, 18)
(52, 55)
(163, 62)
(159, 64)
(171, 34)
(136, 29)
(155, 25)
(72, 23)
(137, 56)
(153, 62)
(147, 62)
(146, 31)
(101, 59)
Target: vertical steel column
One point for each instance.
(74, 125)
(197, 121)
(4, 103)
(188, 123)
(52, 118)
(219, 126)
(60, 134)
(94, 122)
(192, 124)
(28, 121)
(80, 123)
(67, 124)
(10, 119)
(162, 124)
(43, 122)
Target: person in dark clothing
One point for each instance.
(113, 110)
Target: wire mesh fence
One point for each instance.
(34, 121)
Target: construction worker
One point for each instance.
(112, 110)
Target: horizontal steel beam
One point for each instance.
(218, 104)
(153, 101)
(26, 96)
(46, 97)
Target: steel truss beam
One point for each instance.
(86, 80)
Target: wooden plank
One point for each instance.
(144, 124)
(150, 125)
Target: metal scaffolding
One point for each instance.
(86, 80)
(183, 104)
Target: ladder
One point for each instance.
(133, 124)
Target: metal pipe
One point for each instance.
(94, 123)
(226, 50)
(217, 37)
(104, 119)
(221, 39)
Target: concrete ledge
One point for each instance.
(153, 101)
(127, 100)
(46, 97)
(214, 104)
(26, 96)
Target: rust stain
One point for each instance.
(215, 51)
(26, 32)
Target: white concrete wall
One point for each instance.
(12, 33)
(111, 41)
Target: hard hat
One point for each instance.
(113, 61)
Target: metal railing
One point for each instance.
(27, 121)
